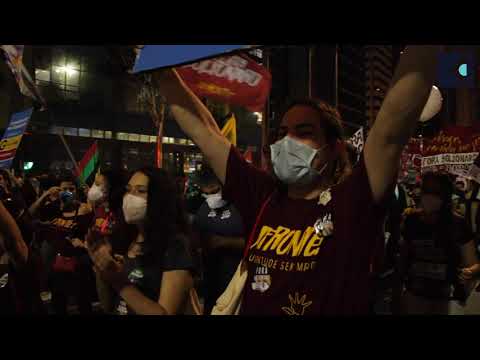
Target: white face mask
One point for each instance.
(215, 201)
(96, 193)
(292, 161)
(134, 209)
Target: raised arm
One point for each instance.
(195, 120)
(39, 203)
(398, 116)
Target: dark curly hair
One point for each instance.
(166, 217)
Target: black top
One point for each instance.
(225, 221)
(218, 266)
(148, 278)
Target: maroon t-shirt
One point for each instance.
(291, 269)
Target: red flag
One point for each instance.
(235, 80)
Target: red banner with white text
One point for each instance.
(235, 80)
(453, 149)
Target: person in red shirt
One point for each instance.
(314, 228)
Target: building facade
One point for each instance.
(91, 97)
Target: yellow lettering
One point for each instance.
(313, 246)
(287, 240)
(275, 240)
(266, 231)
(298, 246)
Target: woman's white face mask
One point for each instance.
(134, 209)
(96, 194)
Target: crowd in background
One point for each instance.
(73, 241)
(321, 230)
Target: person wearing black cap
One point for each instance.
(221, 234)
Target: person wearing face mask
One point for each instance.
(155, 275)
(221, 233)
(64, 222)
(106, 196)
(438, 258)
(312, 233)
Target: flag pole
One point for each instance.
(71, 156)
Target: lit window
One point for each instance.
(108, 134)
(145, 138)
(153, 139)
(133, 137)
(42, 76)
(98, 134)
(70, 131)
(84, 132)
(122, 136)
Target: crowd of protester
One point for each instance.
(321, 229)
